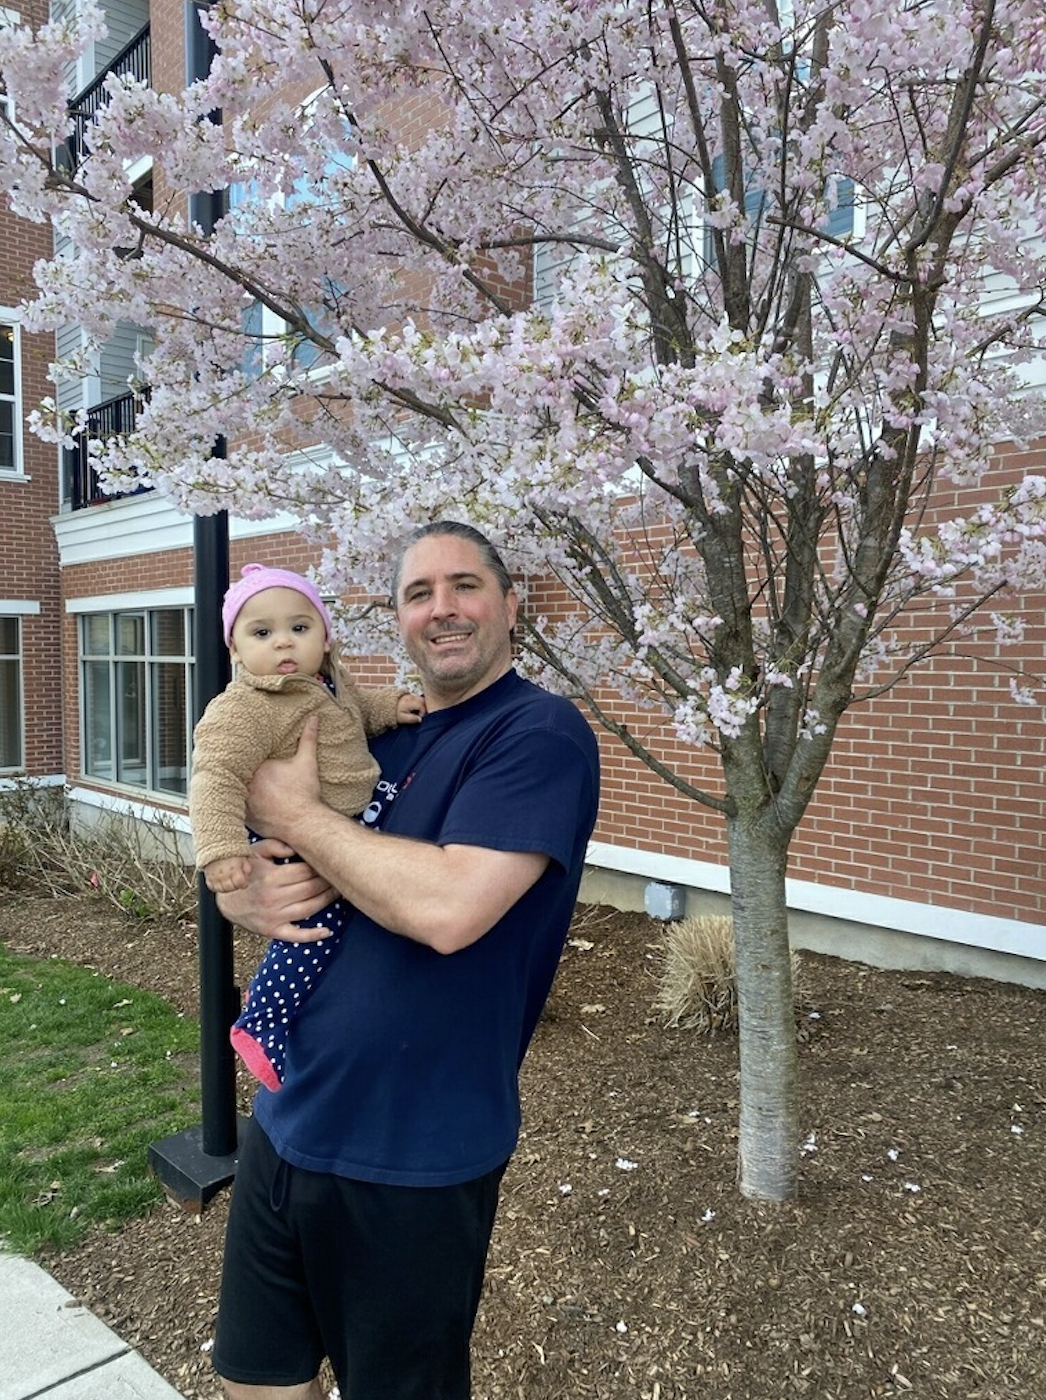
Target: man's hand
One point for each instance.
(283, 787)
(278, 895)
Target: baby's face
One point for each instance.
(277, 633)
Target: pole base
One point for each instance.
(189, 1176)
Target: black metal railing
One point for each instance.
(134, 60)
(111, 418)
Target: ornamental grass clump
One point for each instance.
(697, 985)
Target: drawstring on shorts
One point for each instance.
(279, 1186)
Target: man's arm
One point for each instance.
(443, 896)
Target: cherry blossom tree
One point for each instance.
(693, 306)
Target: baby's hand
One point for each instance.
(224, 876)
(410, 709)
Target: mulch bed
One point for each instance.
(625, 1263)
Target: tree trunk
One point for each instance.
(768, 1166)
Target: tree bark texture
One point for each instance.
(768, 1144)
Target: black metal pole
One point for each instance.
(193, 1165)
(218, 994)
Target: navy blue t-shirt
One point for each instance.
(402, 1066)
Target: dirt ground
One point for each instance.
(625, 1263)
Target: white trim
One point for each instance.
(122, 602)
(136, 170)
(130, 807)
(874, 910)
(21, 607)
(36, 780)
(146, 524)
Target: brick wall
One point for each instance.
(28, 554)
(934, 792)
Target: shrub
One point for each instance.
(136, 866)
(31, 815)
(697, 986)
(12, 854)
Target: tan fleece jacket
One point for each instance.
(260, 717)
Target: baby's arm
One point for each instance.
(381, 706)
(224, 876)
(232, 738)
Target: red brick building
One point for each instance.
(922, 846)
(31, 737)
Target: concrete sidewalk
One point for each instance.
(50, 1345)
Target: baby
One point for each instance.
(279, 637)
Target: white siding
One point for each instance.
(117, 360)
(69, 392)
(124, 18)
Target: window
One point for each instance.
(10, 397)
(305, 205)
(839, 223)
(136, 681)
(12, 751)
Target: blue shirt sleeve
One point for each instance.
(524, 793)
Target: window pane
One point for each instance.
(10, 713)
(7, 436)
(8, 636)
(130, 722)
(7, 360)
(168, 632)
(98, 740)
(130, 634)
(96, 635)
(137, 706)
(169, 726)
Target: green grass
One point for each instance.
(91, 1072)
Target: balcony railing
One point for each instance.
(105, 420)
(134, 60)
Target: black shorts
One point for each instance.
(383, 1280)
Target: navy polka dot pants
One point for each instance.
(284, 980)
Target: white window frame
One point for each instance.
(10, 318)
(272, 327)
(15, 612)
(144, 663)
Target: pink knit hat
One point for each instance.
(256, 578)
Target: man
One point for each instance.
(366, 1188)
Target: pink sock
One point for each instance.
(254, 1057)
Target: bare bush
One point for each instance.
(136, 866)
(31, 814)
(12, 853)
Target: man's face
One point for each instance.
(455, 620)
